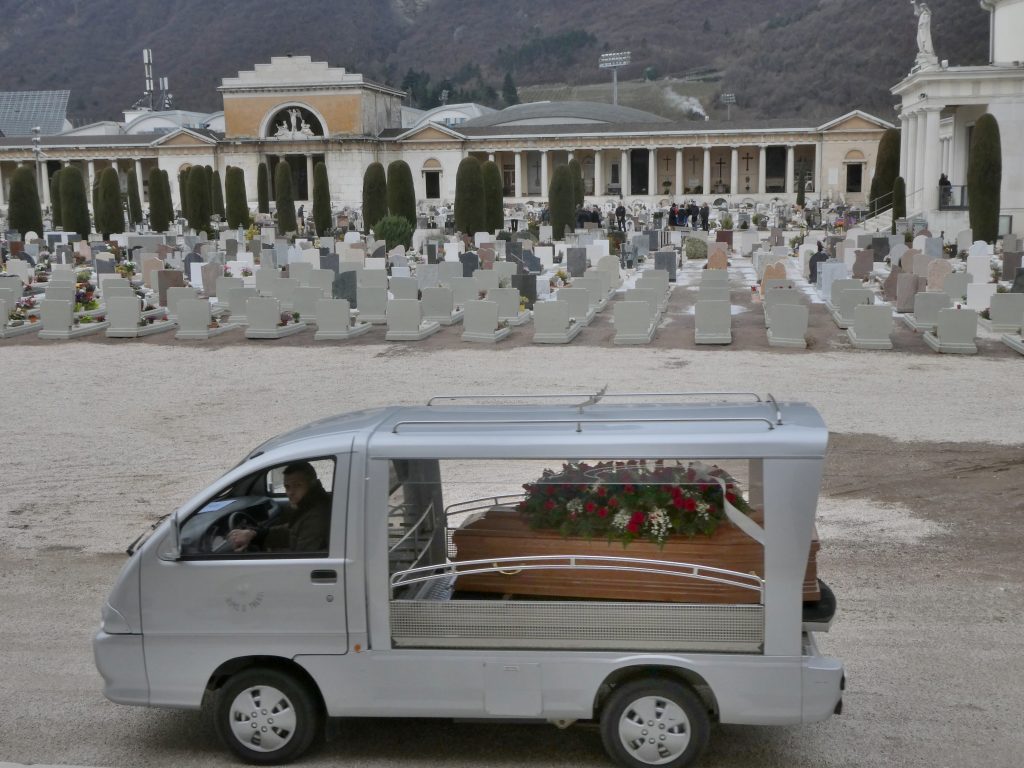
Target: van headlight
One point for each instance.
(112, 622)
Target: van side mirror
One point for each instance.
(170, 547)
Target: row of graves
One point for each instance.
(949, 295)
(269, 288)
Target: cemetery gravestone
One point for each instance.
(1011, 263)
(1018, 282)
(168, 278)
(880, 248)
(718, 260)
(526, 284)
(889, 286)
(470, 263)
(666, 260)
(344, 286)
(576, 261)
(938, 271)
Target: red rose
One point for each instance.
(678, 502)
(602, 512)
(628, 488)
(550, 490)
(689, 505)
(613, 502)
(549, 504)
(602, 491)
(633, 527)
(590, 506)
(638, 518)
(731, 498)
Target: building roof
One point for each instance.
(21, 111)
(563, 113)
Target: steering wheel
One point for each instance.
(215, 539)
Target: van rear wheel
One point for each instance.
(654, 722)
(266, 716)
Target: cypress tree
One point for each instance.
(494, 206)
(263, 189)
(321, 199)
(237, 202)
(159, 221)
(401, 193)
(985, 178)
(198, 199)
(96, 202)
(110, 215)
(469, 197)
(183, 191)
(134, 201)
(285, 198)
(801, 190)
(577, 182)
(24, 213)
(375, 196)
(899, 201)
(887, 168)
(217, 201)
(74, 208)
(55, 200)
(172, 214)
(509, 93)
(561, 197)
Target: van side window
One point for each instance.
(416, 530)
(279, 511)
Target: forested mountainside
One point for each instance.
(779, 57)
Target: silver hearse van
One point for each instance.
(582, 592)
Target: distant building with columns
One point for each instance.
(939, 107)
(302, 112)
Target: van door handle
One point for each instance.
(324, 577)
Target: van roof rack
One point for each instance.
(590, 420)
(603, 394)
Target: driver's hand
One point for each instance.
(240, 538)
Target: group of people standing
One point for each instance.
(689, 215)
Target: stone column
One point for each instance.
(652, 172)
(819, 183)
(679, 172)
(904, 138)
(490, 157)
(911, 157)
(90, 177)
(919, 164)
(734, 171)
(544, 173)
(790, 167)
(707, 171)
(309, 179)
(44, 181)
(138, 181)
(624, 173)
(517, 172)
(599, 188)
(930, 172)
(762, 170)
(3, 192)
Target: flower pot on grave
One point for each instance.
(504, 532)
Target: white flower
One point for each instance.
(621, 519)
(575, 506)
(659, 523)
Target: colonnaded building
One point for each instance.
(300, 111)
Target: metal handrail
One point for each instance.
(778, 410)
(491, 501)
(510, 566)
(580, 422)
(413, 528)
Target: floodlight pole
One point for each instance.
(615, 86)
(613, 61)
(36, 152)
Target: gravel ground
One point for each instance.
(919, 521)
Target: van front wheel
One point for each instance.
(266, 716)
(654, 722)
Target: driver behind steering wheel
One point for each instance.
(305, 527)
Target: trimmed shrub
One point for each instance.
(198, 209)
(168, 199)
(217, 198)
(321, 199)
(561, 201)
(887, 168)
(24, 213)
(284, 197)
(577, 181)
(801, 191)
(470, 215)
(183, 192)
(74, 208)
(394, 230)
(55, 207)
(375, 196)
(134, 200)
(263, 189)
(899, 201)
(985, 178)
(401, 193)
(110, 214)
(696, 248)
(494, 205)
(159, 221)
(237, 212)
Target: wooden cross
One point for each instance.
(748, 157)
(721, 164)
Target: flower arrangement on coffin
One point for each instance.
(624, 501)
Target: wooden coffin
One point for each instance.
(507, 533)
